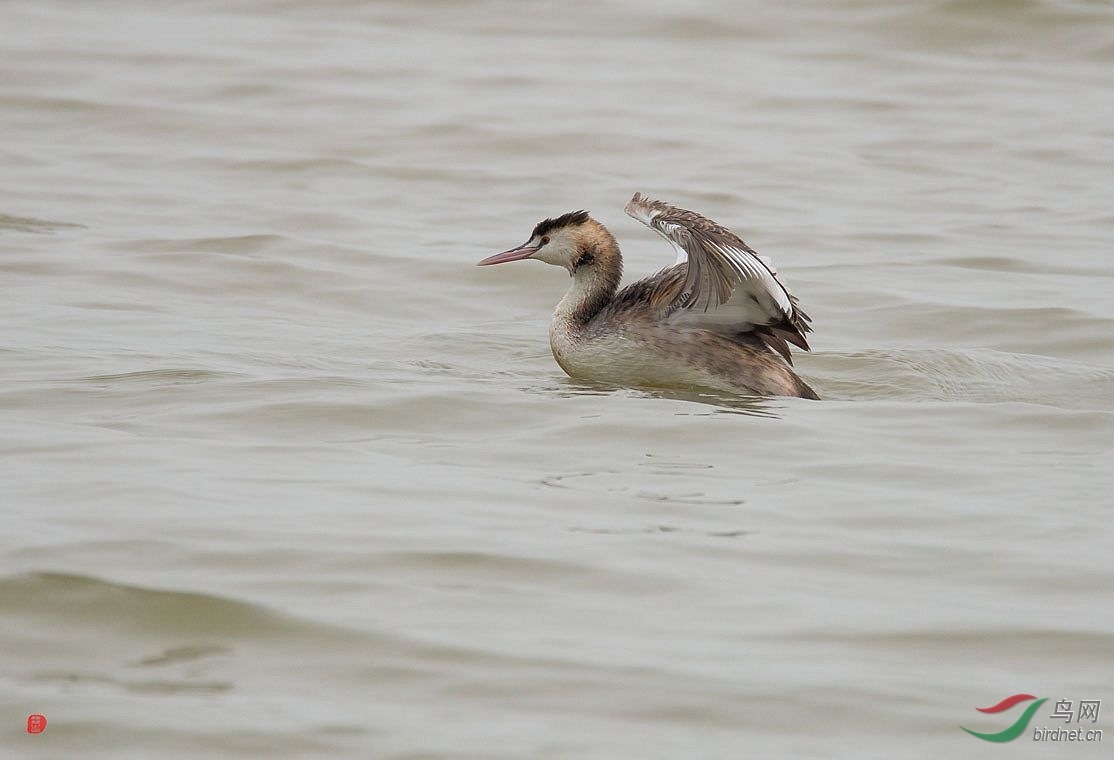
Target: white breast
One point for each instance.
(622, 358)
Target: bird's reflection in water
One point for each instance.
(709, 402)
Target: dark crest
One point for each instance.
(565, 220)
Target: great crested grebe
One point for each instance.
(719, 318)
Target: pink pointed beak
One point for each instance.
(514, 254)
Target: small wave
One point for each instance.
(252, 243)
(158, 377)
(976, 375)
(28, 224)
(61, 599)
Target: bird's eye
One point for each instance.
(545, 239)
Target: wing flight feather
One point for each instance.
(727, 287)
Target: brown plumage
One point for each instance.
(717, 261)
(720, 318)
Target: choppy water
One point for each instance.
(285, 475)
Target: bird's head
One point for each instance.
(568, 241)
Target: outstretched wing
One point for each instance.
(726, 286)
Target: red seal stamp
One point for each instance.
(36, 723)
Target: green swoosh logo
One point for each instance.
(1013, 731)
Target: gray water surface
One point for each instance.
(285, 475)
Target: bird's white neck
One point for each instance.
(593, 286)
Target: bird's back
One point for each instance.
(633, 336)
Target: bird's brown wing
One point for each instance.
(720, 283)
